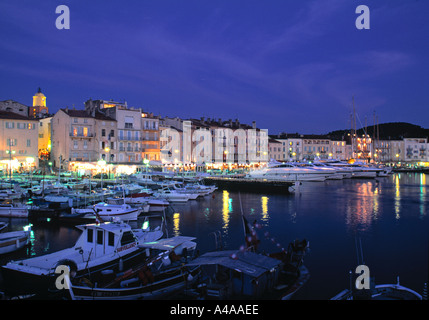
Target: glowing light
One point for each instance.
(264, 202)
(176, 223)
(226, 208)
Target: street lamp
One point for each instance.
(146, 163)
(107, 150)
(101, 163)
(10, 152)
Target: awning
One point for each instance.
(246, 262)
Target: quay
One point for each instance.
(250, 185)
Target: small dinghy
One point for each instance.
(14, 240)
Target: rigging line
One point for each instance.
(361, 250)
(357, 251)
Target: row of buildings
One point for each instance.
(121, 138)
(297, 147)
(117, 137)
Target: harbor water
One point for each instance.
(387, 215)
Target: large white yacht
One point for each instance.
(290, 172)
(358, 170)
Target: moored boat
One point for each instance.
(107, 245)
(246, 274)
(122, 211)
(379, 292)
(14, 240)
(160, 276)
(13, 210)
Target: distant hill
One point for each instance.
(387, 131)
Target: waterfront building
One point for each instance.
(275, 150)
(316, 147)
(213, 143)
(44, 137)
(415, 149)
(77, 137)
(338, 150)
(150, 137)
(18, 142)
(15, 107)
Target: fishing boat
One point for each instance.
(14, 240)
(101, 246)
(105, 210)
(160, 276)
(247, 274)
(13, 210)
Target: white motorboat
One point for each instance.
(107, 245)
(143, 178)
(333, 174)
(157, 205)
(357, 170)
(106, 211)
(288, 172)
(142, 205)
(13, 210)
(14, 240)
(10, 194)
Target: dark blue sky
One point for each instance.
(290, 65)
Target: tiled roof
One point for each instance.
(15, 116)
(83, 114)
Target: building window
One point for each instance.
(103, 132)
(28, 143)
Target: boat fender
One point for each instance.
(69, 263)
(142, 276)
(149, 275)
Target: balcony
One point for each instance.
(123, 138)
(81, 135)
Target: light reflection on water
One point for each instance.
(389, 214)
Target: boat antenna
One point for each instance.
(242, 214)
(359, 251)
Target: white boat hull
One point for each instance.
(13, 212)
(12, 241)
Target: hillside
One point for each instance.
(387, 131)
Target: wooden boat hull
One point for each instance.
(17, 282)
(13, 241)
(13, 212)
(175, 282)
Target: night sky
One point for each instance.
(290, 65)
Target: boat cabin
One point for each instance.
(100, 239)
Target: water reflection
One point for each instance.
(363, 209)
(397, 196)
(422, 195)
(176, 224)
(226, 210)
(264, 203)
